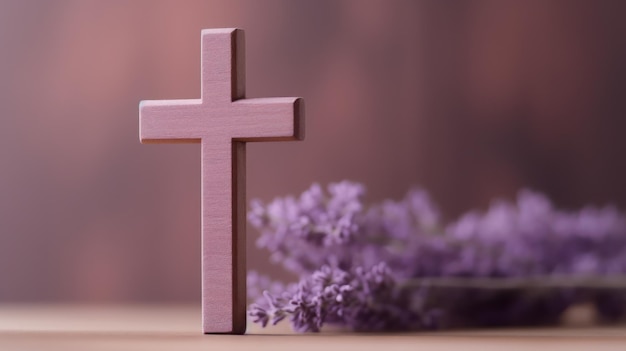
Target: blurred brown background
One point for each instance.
(470, 99)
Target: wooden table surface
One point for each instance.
(44, 327)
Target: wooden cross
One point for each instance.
(222, 121)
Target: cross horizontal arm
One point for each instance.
(268, 119)
(170, 121)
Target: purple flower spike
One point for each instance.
(396, 266)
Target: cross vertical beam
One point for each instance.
(222, 121)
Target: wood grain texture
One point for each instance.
(222, 121)
(162, 327)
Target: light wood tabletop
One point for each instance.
(76, 327)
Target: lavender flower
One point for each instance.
(305, 233)
(363, 299)
(375, 268)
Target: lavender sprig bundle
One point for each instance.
(374, 268)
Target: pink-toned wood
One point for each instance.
(222, 121)
(154, 327)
